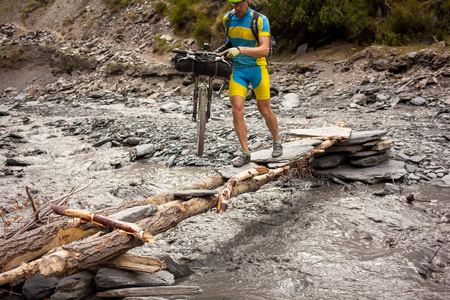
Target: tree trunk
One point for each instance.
(33, 244)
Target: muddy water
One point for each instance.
(325, 244)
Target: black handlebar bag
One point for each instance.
(201, 64)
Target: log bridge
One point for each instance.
(89, 240)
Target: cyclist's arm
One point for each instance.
(261, 51)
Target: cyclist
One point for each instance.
(249, 66)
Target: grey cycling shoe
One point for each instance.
(241, 160)
(277, 149)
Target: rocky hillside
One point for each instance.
(79, 38)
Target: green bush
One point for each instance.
(181, 13)
(202, 30)
(160, 7)
(116, 68)
(114, 5)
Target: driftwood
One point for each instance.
(74, 257)
(29, 245)
(133, 262)
(151, 291)
(85, 215)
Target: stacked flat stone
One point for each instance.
(362, 149)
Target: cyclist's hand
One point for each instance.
(233, 52)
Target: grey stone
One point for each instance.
(410, 168)
(255, 145)
(135, 214)
(365, 153)
(39, 286)
(132, 141)
(108, 278)
(446, 179)
(325, 132)
(369, 161)
(360, 99)
(328, 161)
(391, 188)
(97, 95)
(145, 150)
(419, 101)
(290, 101)
(169, 107)
(20, 96)
(301, 49)
(382, 97)
(174, 268)
(406, 96)
(290, 88)
(387, 170)
(75, 287)
(360, 137)
(417, 158)
(291, 151)
(171, 161)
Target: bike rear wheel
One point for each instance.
(201, 119)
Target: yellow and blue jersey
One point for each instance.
(240, 34)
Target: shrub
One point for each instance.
(160, 45)
(202, 30)
(116, 68)
(115, 5)
(160, 7)
(181, 13)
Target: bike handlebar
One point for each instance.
(192, 52)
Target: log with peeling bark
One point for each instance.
(133, 262)
(34, 243)
(85, 215)
(151, 291)
(74, 257)
(225, 193)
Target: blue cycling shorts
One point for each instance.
(258, 76)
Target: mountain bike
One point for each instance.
(205, 66)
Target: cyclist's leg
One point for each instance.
(238, 90)
(261, 83)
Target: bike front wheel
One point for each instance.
(202, 104)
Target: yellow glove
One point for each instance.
(233, 52)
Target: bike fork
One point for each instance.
(194, 111)
(210, 89)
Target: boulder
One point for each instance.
(39, 286)
(108, 278)
(369, 161)
(328, 161)
(386, 171)
(75, 287)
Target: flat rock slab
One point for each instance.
(324, 132)
(387, 170)
(291, 151)
(151, 291)
(361, 137)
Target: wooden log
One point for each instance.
(25, 270)
(151, 291)
(133, 262)
(33, 244)
(85, 215)
(74, 257)
(225, 193)
(209, 183)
